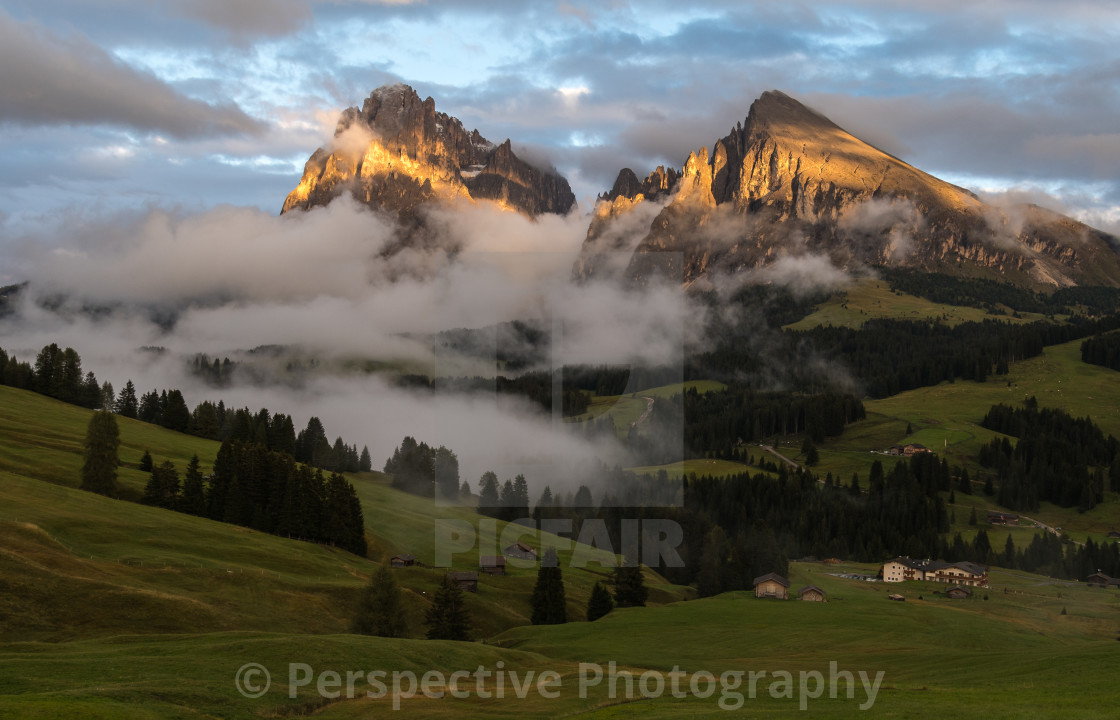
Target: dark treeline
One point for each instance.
(775, 305)
(216, 373)
(578, 382)
(715, 423)
(990, 294)
(423, 470)
(509, 501)
(901, 510)
(536, 386)
(887, 357)
(268, 491)
(57, 373)
(1102, 350)
(1057, 458)
(739, 527)
(1046, 554)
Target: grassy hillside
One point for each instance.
(626, 410)
(870, 299)
(946, 418)
(153, 570)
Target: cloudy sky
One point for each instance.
(119, 105)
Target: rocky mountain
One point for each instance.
(397, 153)
(789, 181)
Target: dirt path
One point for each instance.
(649, 409)
(783, 458)
(1047, 528)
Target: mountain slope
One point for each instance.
(397, 153)
(789, 181)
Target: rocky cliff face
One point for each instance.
(788, 181)
(397, 153)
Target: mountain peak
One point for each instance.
(397, 152)
(776, 109)
(790, 181)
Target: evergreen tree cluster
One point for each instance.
(216, 373)
(762, 520)
(57, 373)
(1046, 554)
(1057, 458)
(1102, 350)
(886, 356)
(990, 294)
(508, 502)
(420, 469)
(268, 491)
(715, 423)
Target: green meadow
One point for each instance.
(110, 609)
(872, 299)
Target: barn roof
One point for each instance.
(772, 576)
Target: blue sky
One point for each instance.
(117, 105)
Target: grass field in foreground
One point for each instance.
(1012, 655)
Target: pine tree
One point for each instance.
(599, 604)
(176, 414)
(163, 487)
(972, 518)
(107, 400)
(381, 607)
(520, 498)
(629, 584)
(447, 473)
(549, 602)
(99, 471)
(488, 500)
(365, 463)
(146, 462)
(448, 617)
(194, 497)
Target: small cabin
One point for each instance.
(520, 551)
(1000, 518)
(492, 564)
(402, 561)
(465, 581)
(812, 593)
(958, 593)
(771, 585)
(913, 449)
(1114, 535)
(896, 597)
(1099, 579)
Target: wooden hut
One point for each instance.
(467, 581)
(812, 593)
(771, 585)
